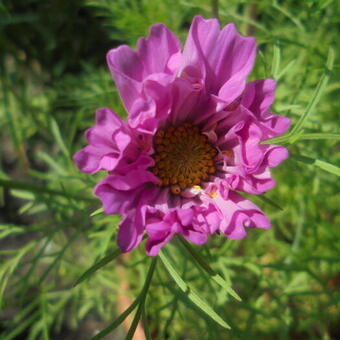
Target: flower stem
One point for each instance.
(214, 8)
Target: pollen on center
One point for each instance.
(183, 157)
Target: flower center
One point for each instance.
(183, 158)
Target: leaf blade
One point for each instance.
(99, 264)
(333, 169)
(191, 294)
(317, 94)
(206, 267)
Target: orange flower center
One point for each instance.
(183, 158)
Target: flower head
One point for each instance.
(192, 138)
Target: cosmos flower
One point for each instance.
(191, 141)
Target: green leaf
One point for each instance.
(7, 183)
(97, 212)
(206, 267)
(316, 162)
(289, 15)
(191, 294)
(59, 257)
(276, 61)
(143, 294)
(139, 300)
(12, 334)
(101, 263)
(269, 201)
(118, 321)
(285, 69)
(145, 325)
(58, 138)
(303, 136)
(316, 96)
(317, 136)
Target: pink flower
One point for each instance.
(192, 138)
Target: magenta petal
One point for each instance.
(129, 234)
(153, 246)
(224, 58)
(240, 213)
(160, 232)
(127, 72)
(130, 68)
(108, 139)
(275, 155)
(259, 95)
(195, 237)
(88, 159)
(185, 216)
(114, 201)
(132, 180)
(162, 40)
(257, 98)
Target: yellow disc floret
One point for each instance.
(183, 157)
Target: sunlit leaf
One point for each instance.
(101, 263)
(191, 294)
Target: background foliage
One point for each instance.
(52, 78)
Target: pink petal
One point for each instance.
(162, 40)
(108, 139)
(132, 180)
(222, 58)
(129, 234)
(258, 97)
(129, 68)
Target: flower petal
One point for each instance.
(130, 233)
(129, 68)
(257, 98)
(222, 58)
(239, 213)
(108, 140)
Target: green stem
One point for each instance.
(214, 8)
(7, 183)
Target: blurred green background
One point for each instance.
(53, 76)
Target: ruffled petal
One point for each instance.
(108, 140)
(132, 180)
(257, 98)
(130, 68)
(167, 45)
(239, 213)
(222, 58)
(130, 232)
(115, 201)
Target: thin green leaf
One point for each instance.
(316, 136)
(59, 257)
(316, 162)
(21, 327)
(191, 294)
(303, 136)
(269, 201)
(101, 263)
(317, 94)
(143, 294)
(276, 61)
(290, 16)
(145, 325)
(206, 267)
(279, 75)
(7, 183)
(139, 300)
(118, 321)
(52, 163)
(58, 138)
(97, 212)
